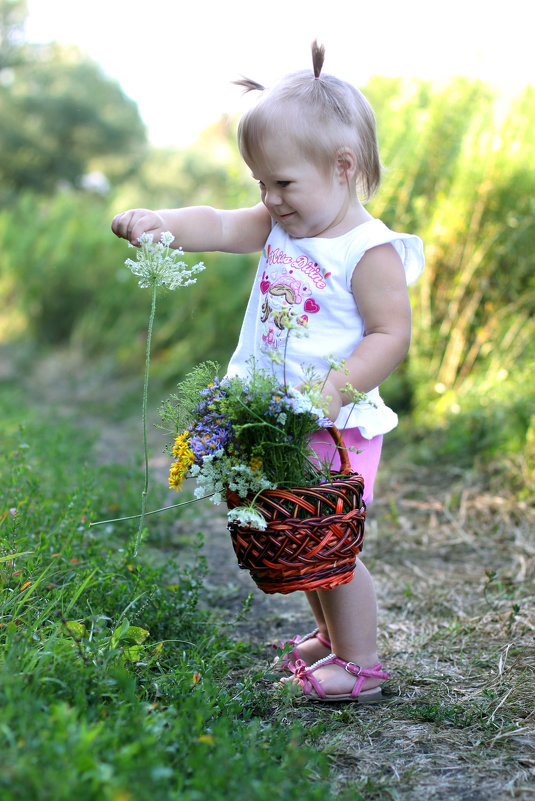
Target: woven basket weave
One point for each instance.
(313, 534)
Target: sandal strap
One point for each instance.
(308, 681)
(293, 656)
(297, 640)
(323, 640)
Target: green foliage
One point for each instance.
(459, 715)
(209, 172)
(489, 420)
(56, 260)
(51, 131)
(177, 410)
(12, 16)
(62, 279)
(114, 683)
(460, 173)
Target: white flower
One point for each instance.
(158, 265)
(243, 479)
(247, 516)
(303, 404)
(167, 237)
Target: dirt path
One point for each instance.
(453, 559)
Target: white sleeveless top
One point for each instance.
(311, 277)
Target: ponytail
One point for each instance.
(318, 57)
(249, 85)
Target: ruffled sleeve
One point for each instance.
(408, 246)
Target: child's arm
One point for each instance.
(380, 291)
(199, 229)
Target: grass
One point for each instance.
(120, 680)
(112, 676)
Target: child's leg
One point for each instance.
(317, 610)
(347, 615)
(350, 613)
(312, 650)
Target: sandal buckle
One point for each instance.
(351, 672)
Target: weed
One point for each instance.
(453, 714)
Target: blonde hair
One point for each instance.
(322, 114)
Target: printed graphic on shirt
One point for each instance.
(289, 285)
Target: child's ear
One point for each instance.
(346, 164)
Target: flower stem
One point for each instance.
(136, 517)
(144, 419)
(284, 359)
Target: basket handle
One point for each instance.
(345, 465)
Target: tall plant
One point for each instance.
(156, 265)
(461, 173)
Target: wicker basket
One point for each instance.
(313, 534)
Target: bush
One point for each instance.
(485, 423)
(63, 280)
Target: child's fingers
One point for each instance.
(119, 224)
(131, 224)
(332, 399)
(122, 225)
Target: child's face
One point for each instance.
(306, 200)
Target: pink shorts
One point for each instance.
(364, 459)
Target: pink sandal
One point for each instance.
(313, 689)
(288, 661)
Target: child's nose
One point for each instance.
(272, 198)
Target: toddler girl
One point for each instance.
(310, 142)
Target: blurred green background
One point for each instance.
(459, 171)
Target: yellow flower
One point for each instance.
(184, 459)
(255, 464)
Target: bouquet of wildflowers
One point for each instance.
(243, 434)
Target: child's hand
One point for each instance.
(131, 224)
(332, 400)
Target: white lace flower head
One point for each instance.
(247, 516)
(158, 265)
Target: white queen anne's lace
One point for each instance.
(158, 265)
(247, 516)
(303, 404)
(217, 473)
